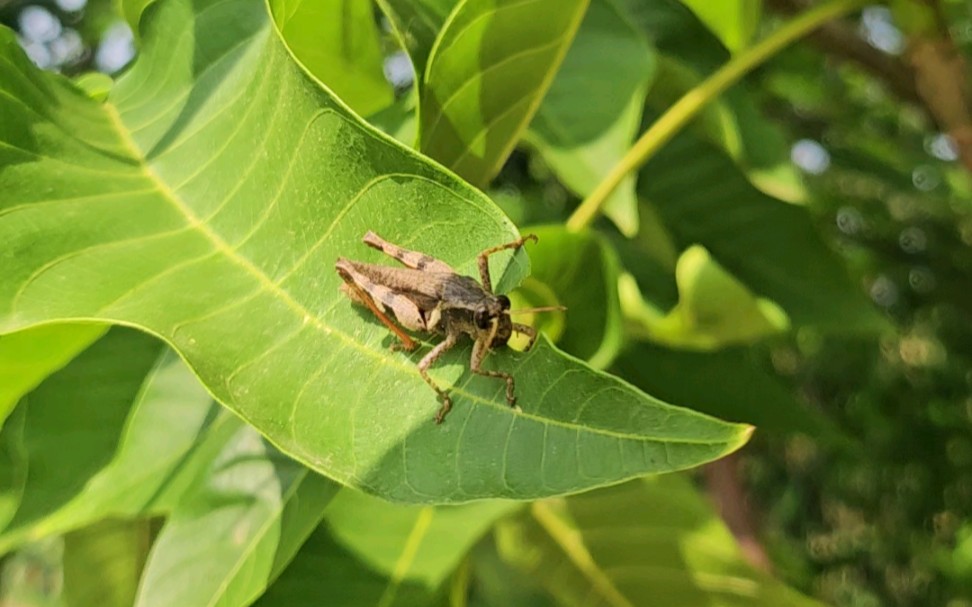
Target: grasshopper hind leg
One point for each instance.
(427, 361)
(357, 294)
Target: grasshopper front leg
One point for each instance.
(527, 330)
(483, 260)
(479, 351)
(427, 362)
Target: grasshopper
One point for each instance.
(429, 296)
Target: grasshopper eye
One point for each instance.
(482, 319)
(504, 301)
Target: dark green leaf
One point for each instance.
(771, 246)
(103, 562)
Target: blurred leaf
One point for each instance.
(491, 65)
(726, 382)
(771, 246)
(371, 552)
(103, 562)
(591, 113)
(647, 542)
(498, 583)
(714, 309)
(27, 357)
(337, 41)
(69, 435)
(96, 84)
(688, 52)
(132, 11)
(733, 21)
(128, 212)
(417, 24)
(236, 529)
(716, 122)
(13, 466)
(399, 119)
(581, 269)
(109, 435)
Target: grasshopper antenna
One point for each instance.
(540, 309)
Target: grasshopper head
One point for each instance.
(493, 318)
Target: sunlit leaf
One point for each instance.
(236, 529)
(108, 435)
(337, 41)
(207, 206)
(486, 75)
(592, 112)
(714, 309)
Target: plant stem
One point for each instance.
(682, 112)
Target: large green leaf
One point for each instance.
(27, 357)
(648, 542)
(592, 111)
(486, 75)
(377, 553)
(337, 41)
(114, 433)
(206, 202)
(236, 529)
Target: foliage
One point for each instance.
(196, 414)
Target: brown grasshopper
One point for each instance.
(428, 295)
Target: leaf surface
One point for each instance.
(486, 75)
(337, 41)
(206, 202)
(115, 433)
(371, 552)
(235, 529)
(27, 357)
